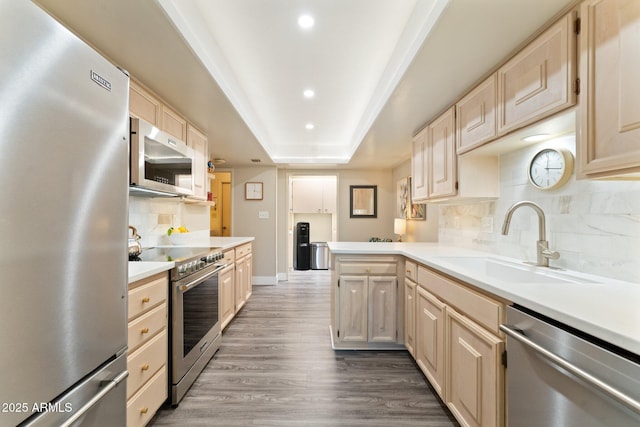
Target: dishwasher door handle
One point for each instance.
(578, 372)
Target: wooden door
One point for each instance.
(227, 295)
(430, 338)
(240, 295)
(441, 156)
(609, 142)
(353, 308)
(475, 381)
(410, 316)
(419, 183)
(382, 308)
(198, 142)
(476, 116)
(226, 209)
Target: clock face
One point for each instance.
(550, 168)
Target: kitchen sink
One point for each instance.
(511, 271)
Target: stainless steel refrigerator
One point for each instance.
(63, 225)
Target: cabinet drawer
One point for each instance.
(144, 404)
(482, 309)
(229, 256)
(145, 362)
(146, 326)
(147, 294)
(411, 270)
(243, 250)
(368, 268)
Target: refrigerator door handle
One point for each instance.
(95, 399)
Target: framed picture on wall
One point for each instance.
(402, 198)
(417, 211)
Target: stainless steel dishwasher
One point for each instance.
(557, 376)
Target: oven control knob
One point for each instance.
(182, 269)
(201, 264)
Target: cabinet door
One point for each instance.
(382, 308)
(227, 295)
(441, 156)
(198, 142)
(353, 308)
(174, 124)
(329, 196)
(143, 105)
(609, 143)
(430, 342)
(475, 387)
(419, 183)
(538, 81)
(248, 276)
(410, 316)
(476, 116)
(240, 295)
(306, 196)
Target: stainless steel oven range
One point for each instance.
(194, 312)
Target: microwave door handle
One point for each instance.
(612, 392)
(185, 287)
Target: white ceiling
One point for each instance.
(237, 69)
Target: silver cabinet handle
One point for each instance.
(95, 399)
(578, 372)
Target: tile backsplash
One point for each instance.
(595, 225)
(152, 217)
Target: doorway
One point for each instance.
(313, 199)
(220, 212)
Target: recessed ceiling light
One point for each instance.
(537, 137)
(308, 93)
(306, 21)
(309, 126)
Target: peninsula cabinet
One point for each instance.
(609, 138)
(539, 80)
(148, 348)
(365, 303)
(459, 347)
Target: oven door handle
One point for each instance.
(614, 393)
(185, 287)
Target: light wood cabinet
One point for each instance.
(147, 348)
(144, 105)
(475, 379)
(410, 316)
(430, 344)
(199, 144)
(459, 347)
(609, 141)
(313, 196)
(441, 156)
(539, 80)
(173, 123)
(419, 183)
(367, 304)
(477, 116)
(243, 277)
(227, 295)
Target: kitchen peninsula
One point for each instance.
(448, 307)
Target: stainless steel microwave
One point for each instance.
(159, 163)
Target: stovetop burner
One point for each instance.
(187, 259)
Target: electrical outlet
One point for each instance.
(263, 214)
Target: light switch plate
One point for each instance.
(263, 214)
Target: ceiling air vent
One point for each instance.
(255, 160)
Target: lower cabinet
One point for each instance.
(244, 275)
(147, 384)
(410, 316)
(227, 295)
(365, 304)
(459, 348)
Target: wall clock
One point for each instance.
(550, 168)
(253, 191)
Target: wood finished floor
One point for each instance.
(275, 367)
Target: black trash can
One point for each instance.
(319, 256)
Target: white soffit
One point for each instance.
(352, 58)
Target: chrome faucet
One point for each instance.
(542, 246)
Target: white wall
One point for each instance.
(595, 225)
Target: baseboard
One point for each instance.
(264, 280)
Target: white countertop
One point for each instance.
(139, 270)
(605, 308)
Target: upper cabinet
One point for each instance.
(419, 190)
(144, 105)
(147, 106)
(609, 138)
(441, 156)
(540, 79)
(198, 142)
(313, 196)
(476, 116)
